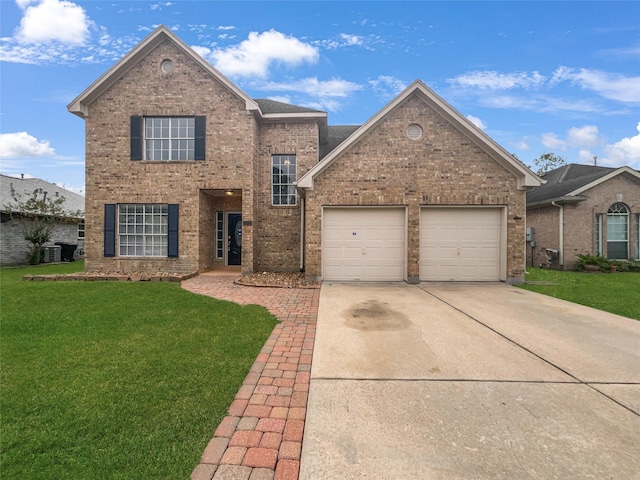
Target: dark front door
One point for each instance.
(234, 239)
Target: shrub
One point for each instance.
(585, 259)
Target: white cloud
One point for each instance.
(24, 3)
(624, 152)
(21, 144)
(313, 93)
(551, 140)
(312, 86)
(477, 122)
(609, 85)
(585, 157)
(493, 80)
(583, 137)
(280, 98)
(53, 20)
(159, 6)
(620, 53)
(351, 39)
(345, 40)
(387, 86)
(254, 56)
(204, 52)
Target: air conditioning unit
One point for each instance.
(52, 253)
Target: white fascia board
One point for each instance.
(564, 200)
(294, 116)
(608, 176)
(525, 177)
(80, 104)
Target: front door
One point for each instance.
(234, 239)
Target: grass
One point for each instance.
(116, 380)
(612, 292)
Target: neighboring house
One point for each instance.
(185, 172)
(14, 249)
(585, 209)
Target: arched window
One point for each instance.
(618, 231)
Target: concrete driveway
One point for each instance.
(452, 381)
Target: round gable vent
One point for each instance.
(167, 66)
(414, 131)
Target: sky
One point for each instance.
(537, 77)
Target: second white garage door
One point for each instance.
(365, 244)
(460, 244)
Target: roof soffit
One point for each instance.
(525, 178)
(79, 105)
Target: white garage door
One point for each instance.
(366, 244)
(460, 244)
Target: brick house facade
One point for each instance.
(258, 183)
(584, 209)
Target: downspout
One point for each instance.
(302, 207)
(561, 232)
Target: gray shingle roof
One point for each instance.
(330, 137)
(26, 186)
(335, 136)
(564, 180)
(272, 106)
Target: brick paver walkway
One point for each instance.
(261, 437)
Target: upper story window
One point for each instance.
(283, 168)
(168, 138)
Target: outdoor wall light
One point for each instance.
(229, 192)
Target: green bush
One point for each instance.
(588, 259)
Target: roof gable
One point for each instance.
(80, 104)
(525, 178)
(568, 182)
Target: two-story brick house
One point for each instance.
(185, 172)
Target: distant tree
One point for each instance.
(37, 215)
(548, 161)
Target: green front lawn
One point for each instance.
(612, 292)
(116, 380)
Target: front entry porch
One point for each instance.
(222, 231)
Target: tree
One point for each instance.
(548, 161)
(38, 215)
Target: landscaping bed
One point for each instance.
(274, 279)
(113, 277)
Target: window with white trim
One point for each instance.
(283, 190)
(142, 230)
(81, 230)
(219, 234)
(169, 138)
(618, 231)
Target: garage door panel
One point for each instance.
(365, 244)
(460, 244)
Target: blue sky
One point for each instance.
(537, 77)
